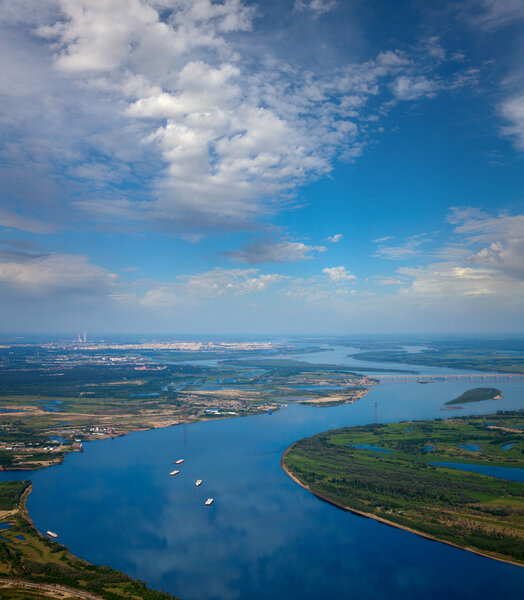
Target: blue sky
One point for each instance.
(301, 166)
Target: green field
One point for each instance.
(38, 559)
(476, 395)
(395, 481)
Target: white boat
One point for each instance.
(209, 501)
(173, 473)
(198, 482)
(52, 534)
(179, 461)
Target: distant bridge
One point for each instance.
(457, 376)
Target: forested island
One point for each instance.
(386, 472)
(476, 395)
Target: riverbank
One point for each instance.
(367, 481)
(37, 432)
(367, 515)
(27, 557)
(100, 428)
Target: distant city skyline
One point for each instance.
(237, 167)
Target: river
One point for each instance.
(264, 536)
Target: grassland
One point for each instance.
(27, 556)
(476, 395)
(399, 486)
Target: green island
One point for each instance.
(34, 566)
(476, 395)
(385, 472)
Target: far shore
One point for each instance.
(156, 424)
(386, 521)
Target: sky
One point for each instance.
(290, 166)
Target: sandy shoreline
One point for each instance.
(385, 521)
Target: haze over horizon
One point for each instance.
(303, 166)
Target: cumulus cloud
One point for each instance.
(450, 280)
(487, 262)
(263, 250)
(338, 274)
(207, 286)
(219, 282)
(497, 241)
(408, 87)
(161, 297)
(507, 257)
(159, 99)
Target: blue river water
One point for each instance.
(264, 536)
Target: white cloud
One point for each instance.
(496, 242)
(316, 6)
(338, 274)
(334, 238)
(206, 286)
(157, 95)
(491, 14)
(55, 273)
(448, 280)
(264, 250)
(407, 87)
(408, 249)
(504, 256)
(434, 48)
(219, 282)
(512, 110)
(161, 297)
(487, 261)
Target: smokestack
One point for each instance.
(85, 337)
